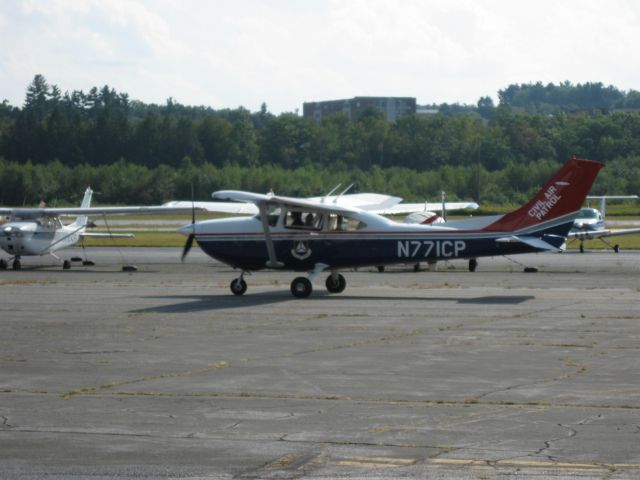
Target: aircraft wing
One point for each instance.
(401, 208)
(32, 213)
(365, 201)
(370, 202)
(603, 233)
(220, 207)
(259, 199)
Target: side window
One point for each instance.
(303, 220)
(342, 223)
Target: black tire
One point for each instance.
(238, 286)
(3, 265)
(381, 268)
(17, 265)
(473, 264)
(616, 248)
(301, 287)
(66, 265)
(336, 285)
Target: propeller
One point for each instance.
(192, 235)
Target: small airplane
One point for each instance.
(39, 231)
(304, 235)
(590, 223)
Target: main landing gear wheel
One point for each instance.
(301, 287)
(473, 264)
(335, 284)
(16, 265)
(238, 286)
(3, 265)
(66, 265)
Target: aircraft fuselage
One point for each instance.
(241, 243)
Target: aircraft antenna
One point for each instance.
(343, 192)
(324, 199)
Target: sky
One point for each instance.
(227, 54)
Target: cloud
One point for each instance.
(284, 52)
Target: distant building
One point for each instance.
(392, 107)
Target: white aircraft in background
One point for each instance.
(590, 223)
(39, 231)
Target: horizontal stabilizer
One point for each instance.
(535, 242)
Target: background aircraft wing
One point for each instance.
(26, 213)
(623, 231)
(401, 208)
(587, 234)
(603, 233)
(262, 199)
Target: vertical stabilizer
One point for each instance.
(81, 220)
(562, 195)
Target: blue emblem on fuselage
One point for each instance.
(301, 250)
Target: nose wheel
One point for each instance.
(301, 287)
(238, 286)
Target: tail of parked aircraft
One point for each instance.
(562, 196)
(81, 220)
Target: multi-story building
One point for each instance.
(392, 107)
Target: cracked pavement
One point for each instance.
(163, 373)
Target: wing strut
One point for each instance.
(271, 251)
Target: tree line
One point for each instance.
(56, 144)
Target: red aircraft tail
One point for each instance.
(564, 193)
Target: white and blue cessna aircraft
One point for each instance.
(39, 231)
(303, 235)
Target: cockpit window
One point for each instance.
(588, 213)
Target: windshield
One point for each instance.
(588, 213)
